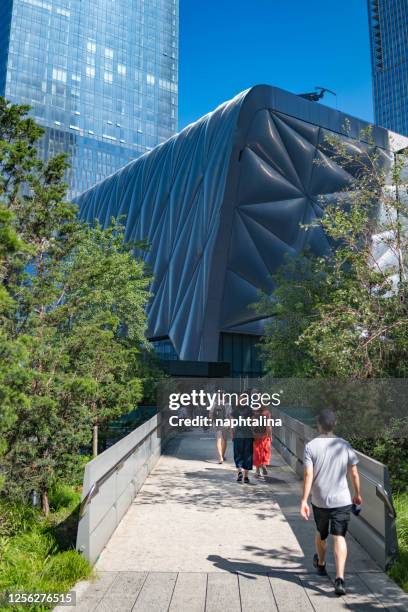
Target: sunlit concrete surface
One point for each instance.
(195, 539)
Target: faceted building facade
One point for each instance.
(388, 21)
(100, 76)
(221, 204)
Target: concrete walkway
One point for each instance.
(195, 540)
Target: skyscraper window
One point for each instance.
(388, 21)
(98, 58)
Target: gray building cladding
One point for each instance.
(221, 204)
(388, 22)
(100, 76)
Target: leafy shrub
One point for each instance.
(63, 496)
(15, 518)
(399, 571)
(35, 553)
(391, 449)
(65, 568)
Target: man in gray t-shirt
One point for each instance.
(327, 462)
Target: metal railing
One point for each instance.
(111, 482)
(110, 472)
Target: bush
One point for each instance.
(391, 448)
(15, 518)
(63, 496)
(65, 568)
(36, 554)
(399, 571)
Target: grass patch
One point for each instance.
(64, 497)
(37, 554)
(399, 571)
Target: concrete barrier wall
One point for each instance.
(111, 481)
(375, 527)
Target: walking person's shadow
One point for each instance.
(252, 571)
(249, 569)
(244, 568)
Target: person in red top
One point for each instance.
(262, 443)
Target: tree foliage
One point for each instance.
(346, 314)
(73, 319)
(342, 319)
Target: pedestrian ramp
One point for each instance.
(194, 539)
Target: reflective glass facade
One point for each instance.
(242, 352)
(100, 75)
(389, 56)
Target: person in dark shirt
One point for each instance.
(242, 439)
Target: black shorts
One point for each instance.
(337, 519)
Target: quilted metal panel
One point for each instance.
(171, 198)
(221, 204)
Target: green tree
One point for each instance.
(299, 285)
(12, 351)
(18, 135)
(103, 319)
(342, 320)
(345, 315)
(72, 320)
(361, 327)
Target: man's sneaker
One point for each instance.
(321, 569)
(339, 587)
(240, 476)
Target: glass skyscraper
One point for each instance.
(388, 21)
(100, 75)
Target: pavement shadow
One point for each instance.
(249, 569)
(358, 598)
(210, 488)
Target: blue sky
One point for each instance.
(229, 45)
